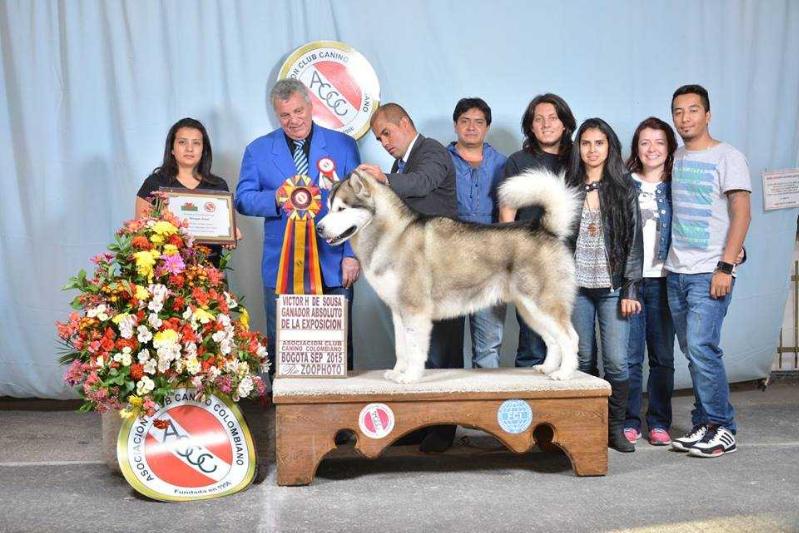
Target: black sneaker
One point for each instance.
(684, 443)
(716, 442)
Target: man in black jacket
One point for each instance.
(423, 175)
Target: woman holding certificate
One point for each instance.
(186, 165)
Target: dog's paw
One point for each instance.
(561, 375)
(392, 375)
(544, 369)
(409, 377)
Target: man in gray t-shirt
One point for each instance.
(711, 214)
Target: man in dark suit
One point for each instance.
(423, 175)
(296, 149)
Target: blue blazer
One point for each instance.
(266, 165)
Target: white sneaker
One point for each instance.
(684, 443)
(716, 442)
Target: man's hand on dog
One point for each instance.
(374, 171)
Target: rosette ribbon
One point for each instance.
(327, 173)
(299, 270)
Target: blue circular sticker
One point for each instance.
(514, 416)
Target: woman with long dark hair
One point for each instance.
(650, 161)
(186, 165)
(608, 255)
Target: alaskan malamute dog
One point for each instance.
(432, 268)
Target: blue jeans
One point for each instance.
(532, 349)
(446, 344)
(614, 329)
(697, 321)
(486, 326)
(652, 329)
(270, 301)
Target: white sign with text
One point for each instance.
(781, 189)
(311, 336)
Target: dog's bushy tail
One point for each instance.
(543, 188)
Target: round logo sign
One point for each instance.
(343, 85)
(514, 416)
(376, 420)
(190, 450)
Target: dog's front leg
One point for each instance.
(399, 349)
(417, 343)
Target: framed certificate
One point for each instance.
(210, 214)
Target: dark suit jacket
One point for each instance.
(427, 183)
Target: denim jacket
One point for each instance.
(476, 188)
(663, 198)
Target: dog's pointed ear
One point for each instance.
(361, 183)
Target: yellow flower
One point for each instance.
(142, 294)
(202, 316)
(168, 336)
(134, 407)
(156, 239)
(244, 318)
(119, 318)
(170, 249)
(145, 260)
(162, 227)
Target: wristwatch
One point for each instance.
(727, 268)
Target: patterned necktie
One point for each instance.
(400, 165)
(300, 159)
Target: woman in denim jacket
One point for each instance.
(650, 162)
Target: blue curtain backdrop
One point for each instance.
(89, 89)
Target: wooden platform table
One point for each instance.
(508, 403)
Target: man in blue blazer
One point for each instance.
(295, 148)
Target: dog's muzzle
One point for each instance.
(338, 239)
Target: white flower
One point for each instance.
(154, 321)
(197, 381)
(261, 352)
(126, 326)
(150, 366)
(98, 312)
(144, 334)
(190, 349)
(231, 366)
(144, 386)
(124, 357)
(178, 366)
(193, 366)
(187, 313)
(143, 356)
(99, 361)
(231, 303)
(163, 364)
(245, 387)
(213, 373)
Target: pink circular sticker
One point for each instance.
(376, 420)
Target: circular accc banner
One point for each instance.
(190, 449)
(343, 85)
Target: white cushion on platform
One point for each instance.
(442, 381)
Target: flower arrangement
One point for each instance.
(156, 316)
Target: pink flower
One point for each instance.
(74, 373)
(174, 264)
(224, 384)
